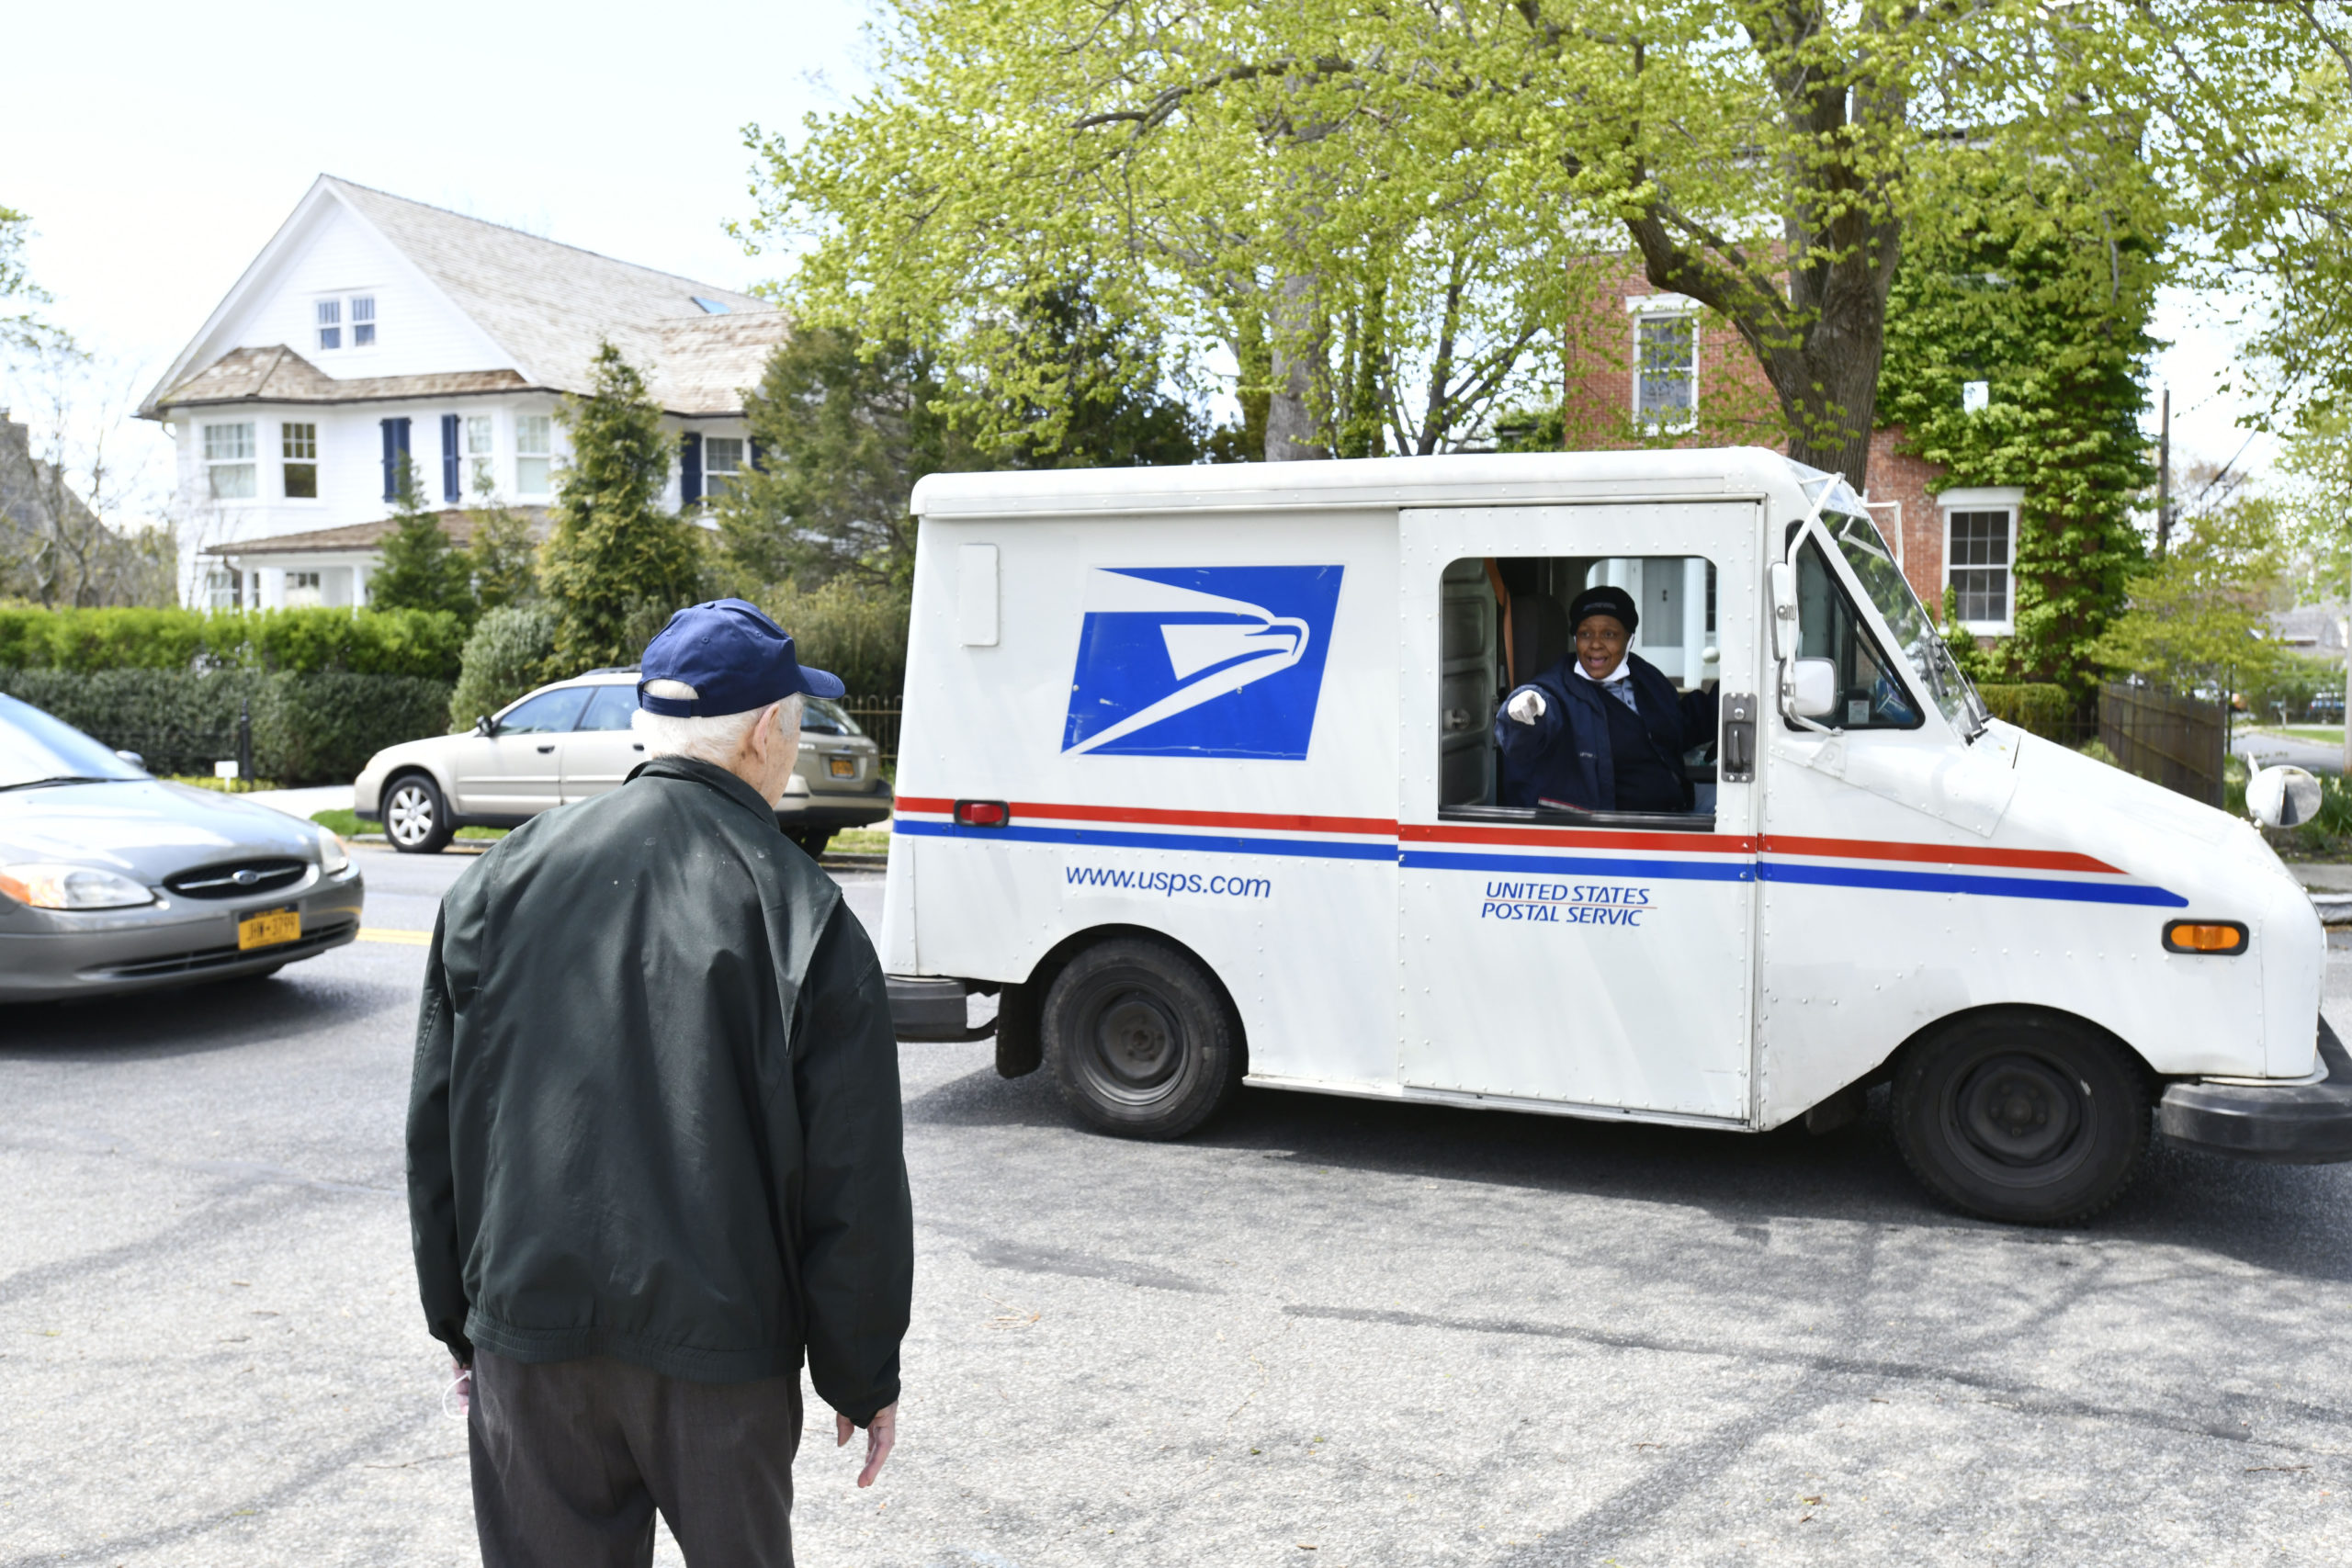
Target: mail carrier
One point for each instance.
(1210, 776)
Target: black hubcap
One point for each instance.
(1132, 1046)
(2021, 1111)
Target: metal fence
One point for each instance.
(878, 717)
(2177, 741)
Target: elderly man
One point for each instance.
(653, 1138)
(1604, 730)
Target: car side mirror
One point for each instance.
(484, 727)
(1813, 687)
(2282, 797)
(134, 759)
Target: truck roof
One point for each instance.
(1486, 479)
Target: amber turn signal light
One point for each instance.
(982, 814)
(2221, 937)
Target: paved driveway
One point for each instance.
(1392, 1335)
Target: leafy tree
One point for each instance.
(420, 570)
(502, 557)
(2196, 618)
(1412, 195)
(616, 561)
(23, 330)
(1115, 414)
(845, 429)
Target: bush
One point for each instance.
(511, 650)
(2037, 707)
(316, 728)
(858, 634)
(361, 642)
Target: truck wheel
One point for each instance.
(2022, 1118)
(416, 819)
(1140, 1039)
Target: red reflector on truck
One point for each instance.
(2222, 937)
(982, 814)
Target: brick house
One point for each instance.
(1646, 369)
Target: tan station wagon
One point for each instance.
(572, 739)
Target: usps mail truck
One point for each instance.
(1199, 778)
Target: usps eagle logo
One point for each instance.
(1201, 662)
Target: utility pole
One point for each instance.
(2164, 476)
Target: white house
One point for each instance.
(373, 330)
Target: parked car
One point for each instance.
(572, 739)
(114, 881)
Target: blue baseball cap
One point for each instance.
(733, 656)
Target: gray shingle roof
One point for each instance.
(547, 304)
(456, 524)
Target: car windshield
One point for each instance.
(35, 749)
(827, 717)
(1923, 648)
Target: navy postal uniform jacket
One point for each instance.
(1589, 750)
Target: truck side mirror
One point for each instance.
(2282, 797)
(1784, 577)
(1813, 684)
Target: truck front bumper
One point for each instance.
(2294, 1123)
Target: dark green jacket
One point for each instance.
(655, 1113)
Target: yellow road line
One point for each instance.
(404, 939)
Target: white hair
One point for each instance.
(713, 737)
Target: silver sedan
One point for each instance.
(114, 881)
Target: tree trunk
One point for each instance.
(1293, 431)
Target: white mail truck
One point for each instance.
(1199, 778)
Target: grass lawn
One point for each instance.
(347, 825)
(2325, 734)
(861, 841)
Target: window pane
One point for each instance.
(1916, 636)
(1665, 381)
(722, 454)
(478, 433)
(227, 443)
(531, 434)
(545, 713)
(362, 334)
(363, 309)
(531, 475)
(610, 708)
(232, 481)
(301, 481)
(825, 717)
(330, 312)
(298, 443)
(1870, 695)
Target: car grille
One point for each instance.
(240, 879)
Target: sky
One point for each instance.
(158, 147)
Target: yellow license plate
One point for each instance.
(269, 927)
(845, 767)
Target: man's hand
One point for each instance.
(881, 1436)
(1526, 706)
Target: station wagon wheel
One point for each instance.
(2021, 1117)
(1140, 1039)
(416, 819)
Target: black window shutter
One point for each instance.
(759, 463)
(689, 469)
(450, 489)
(391, 458)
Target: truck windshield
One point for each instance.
(1873, 567)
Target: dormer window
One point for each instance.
(362, 313)
(710, 307)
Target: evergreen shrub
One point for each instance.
(2039, 708)
(360, 642)
(855, 632)
(316, 726)
(511, 650)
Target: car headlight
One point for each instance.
(70, 888)
(332, 856)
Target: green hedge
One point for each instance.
(360, 642)
(2037, 707)
(317, 728)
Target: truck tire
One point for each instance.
(2021, 1117)
(1141, 1039)
(416, 819)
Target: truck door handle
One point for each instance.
(548, 748)
(1739, 739)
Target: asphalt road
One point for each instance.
(1391, 1335)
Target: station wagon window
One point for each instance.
(1504, 623)
(818, 716)
(546, 714)
(612, 707)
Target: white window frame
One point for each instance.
(348, 316)
(310, 585)
(361, 311)
(221, 457)
(479, 434)
(2003, 498)
(326, 316)
(542, 426)
(297, 451)
(717, 481)
(1643, 307)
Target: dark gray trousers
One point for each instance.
(570, 1459)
